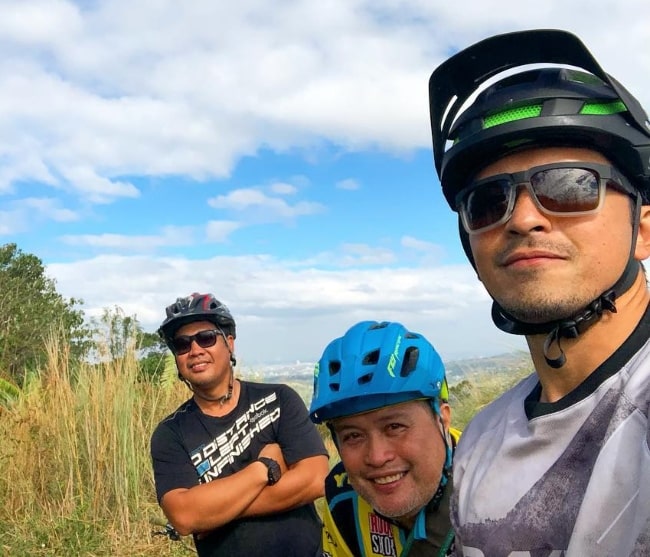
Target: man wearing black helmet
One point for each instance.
(382, 391)
(239, 464)
(548, 169)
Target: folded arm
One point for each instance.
(208, 506)
(300, 484)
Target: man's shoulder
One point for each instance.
(184, 411)
(495, 411)
(640, 360)
(172, 426)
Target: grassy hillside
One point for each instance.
(76, 477)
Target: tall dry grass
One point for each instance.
(75, 470)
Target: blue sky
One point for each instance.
(276, 154)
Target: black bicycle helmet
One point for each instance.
(196, 307)
(547, 105)
(481, 110)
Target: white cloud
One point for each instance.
(270, 207)
(12, 222)
(274, 300)
(359, 255)
(219, 230)
(419, 245)
(46, 207)
(95, 96)
(282, 188)
(169, 236)
(21, 214)
(140, 88)
(348, 184)
(38, 23)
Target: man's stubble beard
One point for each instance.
(532, 306)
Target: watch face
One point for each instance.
(275, 473)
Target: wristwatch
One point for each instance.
(275, 473)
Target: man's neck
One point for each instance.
(216, 403)
(593, 347)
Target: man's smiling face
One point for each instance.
(394, 456)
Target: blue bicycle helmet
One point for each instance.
(374, 365)
(196, 307)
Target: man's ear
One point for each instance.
(642, 249)
(445, 415)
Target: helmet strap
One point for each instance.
(446, 438)
(220, 399)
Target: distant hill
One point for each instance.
(509, 363)
(300, 375)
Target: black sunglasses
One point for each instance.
(183, 343)
(560, 189)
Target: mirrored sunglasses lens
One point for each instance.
(567, 190)
(487, 204)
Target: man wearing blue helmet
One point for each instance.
(546, 160)
(383, 394)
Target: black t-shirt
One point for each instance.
(189, 447)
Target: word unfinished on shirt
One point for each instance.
(210, 459)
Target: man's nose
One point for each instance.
(526, 214)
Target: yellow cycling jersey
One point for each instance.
(378, 537)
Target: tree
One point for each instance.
(30, 310)
(117, 334)
(154, 355)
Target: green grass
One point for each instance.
(472, 393)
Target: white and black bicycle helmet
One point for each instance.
(479, 113)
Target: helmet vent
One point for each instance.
(381, 325)
(334, 367)
(603, 109)
(365, 378)
(411, 356)
(512, 115)
(371, 358)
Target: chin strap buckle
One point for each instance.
(572, 328)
